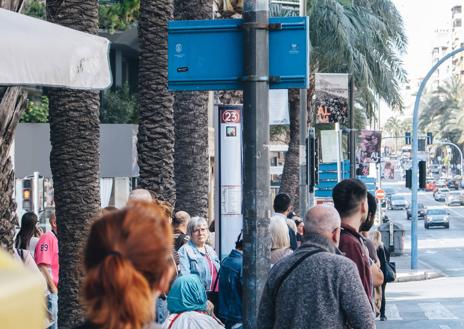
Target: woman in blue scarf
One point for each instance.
(187, 305)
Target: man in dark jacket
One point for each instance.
(230, 286)
(316, 290)
(282, 207)
(350, 200)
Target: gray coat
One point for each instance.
(324, 291)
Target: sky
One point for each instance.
(421, 18)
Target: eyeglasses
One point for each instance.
(337, 228)
(202, 230)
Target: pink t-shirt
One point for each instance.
(46, 253)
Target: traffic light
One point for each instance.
(421, 145)
(409, 178)
(312, 159)
(407, 136)
(422, 174)
(429, 139)
(27, 194)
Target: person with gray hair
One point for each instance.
(323, 286)
(196, 257)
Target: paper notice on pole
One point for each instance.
(231, 197)
(329, 146)
(278, 107)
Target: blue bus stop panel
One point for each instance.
(208, 54)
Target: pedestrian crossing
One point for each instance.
(406, 311)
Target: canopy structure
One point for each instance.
(36, 52)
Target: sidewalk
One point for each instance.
(405, 274)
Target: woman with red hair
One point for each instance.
(128, 264)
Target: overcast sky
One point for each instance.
(421, 18)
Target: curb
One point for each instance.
(418, 276)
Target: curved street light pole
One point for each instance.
(415, 128)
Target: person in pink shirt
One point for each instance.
(46, 257)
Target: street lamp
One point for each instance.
(447, 142)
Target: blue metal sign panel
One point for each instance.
(208, 54)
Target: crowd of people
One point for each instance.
(148, 268)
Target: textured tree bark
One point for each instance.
(75, 164)
(155, 143)
(290, 175)
(11, 107)
(191, 165)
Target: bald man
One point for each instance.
(316, 287)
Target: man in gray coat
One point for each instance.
(316, 287)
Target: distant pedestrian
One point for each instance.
(46, 258)
(350, 200)
(299, 230)
(280, 246)
(282, 207)
(230, 287)
(180, 224)
(315, 287)
(187, 305)
(384, 257)
(29, 234)
(127, 263)
(196, 257)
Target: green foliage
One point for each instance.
(36, 112)
(119, 106)
(35, 8)
(118, 16)
(442, 112)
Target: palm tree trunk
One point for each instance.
(11, 108)
(290, 175)
(155, 143)
(191, 165)
(75, 163)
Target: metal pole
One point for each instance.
(256, 176)
(415, 183)
(303, 193)
(337, 147)
(352, 131)
(35, 193)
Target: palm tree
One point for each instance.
(74, 161)
(394, 127)
(155, 143)
(191, 165)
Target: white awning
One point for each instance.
(36, 52)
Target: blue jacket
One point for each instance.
(230, 288)
(192, 261)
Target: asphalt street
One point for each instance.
(437, 303)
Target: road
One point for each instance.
(437, 303)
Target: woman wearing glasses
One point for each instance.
(196, 257)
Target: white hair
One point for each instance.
(194, 222)
(321, 219)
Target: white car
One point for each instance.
(441, 193)
(398, 202)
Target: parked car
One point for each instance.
(440, 194)
(436, 216)
(398, 202)
(420, 211)
(454, 199)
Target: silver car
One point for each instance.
(454, 199)
(436, 216)
(441, 193)
(398, 202)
